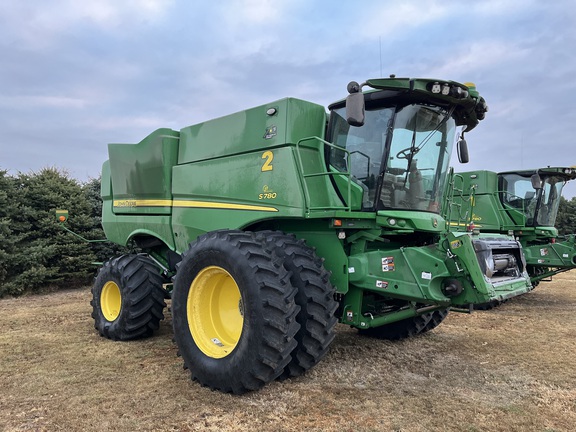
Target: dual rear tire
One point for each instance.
(250, 307)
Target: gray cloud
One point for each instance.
(77, 75)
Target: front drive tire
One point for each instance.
(127, 298)
(234, 312)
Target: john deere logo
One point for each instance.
(455, 244)
(270, 132)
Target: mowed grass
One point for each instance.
(508, 369)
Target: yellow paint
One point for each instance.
(110, 301)
(269, 156)
(215, 312)
(216, 205)
(194, 204)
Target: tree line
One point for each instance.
(36, 253)
(566, 218)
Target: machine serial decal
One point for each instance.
(194, 204)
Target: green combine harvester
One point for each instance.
(268, 226)
(524, 204)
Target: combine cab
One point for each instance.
(268, 226)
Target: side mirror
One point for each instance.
(462, 149)
(355, 105)
(536, 181)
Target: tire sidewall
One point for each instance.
(217, 370)
(110, 272)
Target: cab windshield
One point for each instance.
(399, 156)
(539, 207)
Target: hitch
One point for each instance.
(62, 217)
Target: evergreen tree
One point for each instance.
(566, 219)
(8, 211)
(47, 255)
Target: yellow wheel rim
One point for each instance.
(215, 312)
(110, 301)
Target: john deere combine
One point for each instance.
(525, 204)
(277, 222)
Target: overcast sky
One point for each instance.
(76, 75)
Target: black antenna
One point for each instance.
(380, 56)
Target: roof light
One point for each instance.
(436, 88)
(459, 92)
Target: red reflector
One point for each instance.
(337, 222)
(553, 240)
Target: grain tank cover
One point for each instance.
(266, 126)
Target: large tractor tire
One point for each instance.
(399, 329)
(315, 297)
(128, 298)
(234, 312)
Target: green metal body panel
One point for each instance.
(410, 221)
(144, 172)
(461, 246)
(265, 169)
(252, 130)
(557, 254)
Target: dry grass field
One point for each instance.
(508, 369)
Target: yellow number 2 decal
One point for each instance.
(269, 156)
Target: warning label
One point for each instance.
(387, 264)
(381, 284)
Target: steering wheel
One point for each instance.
(405, 154)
